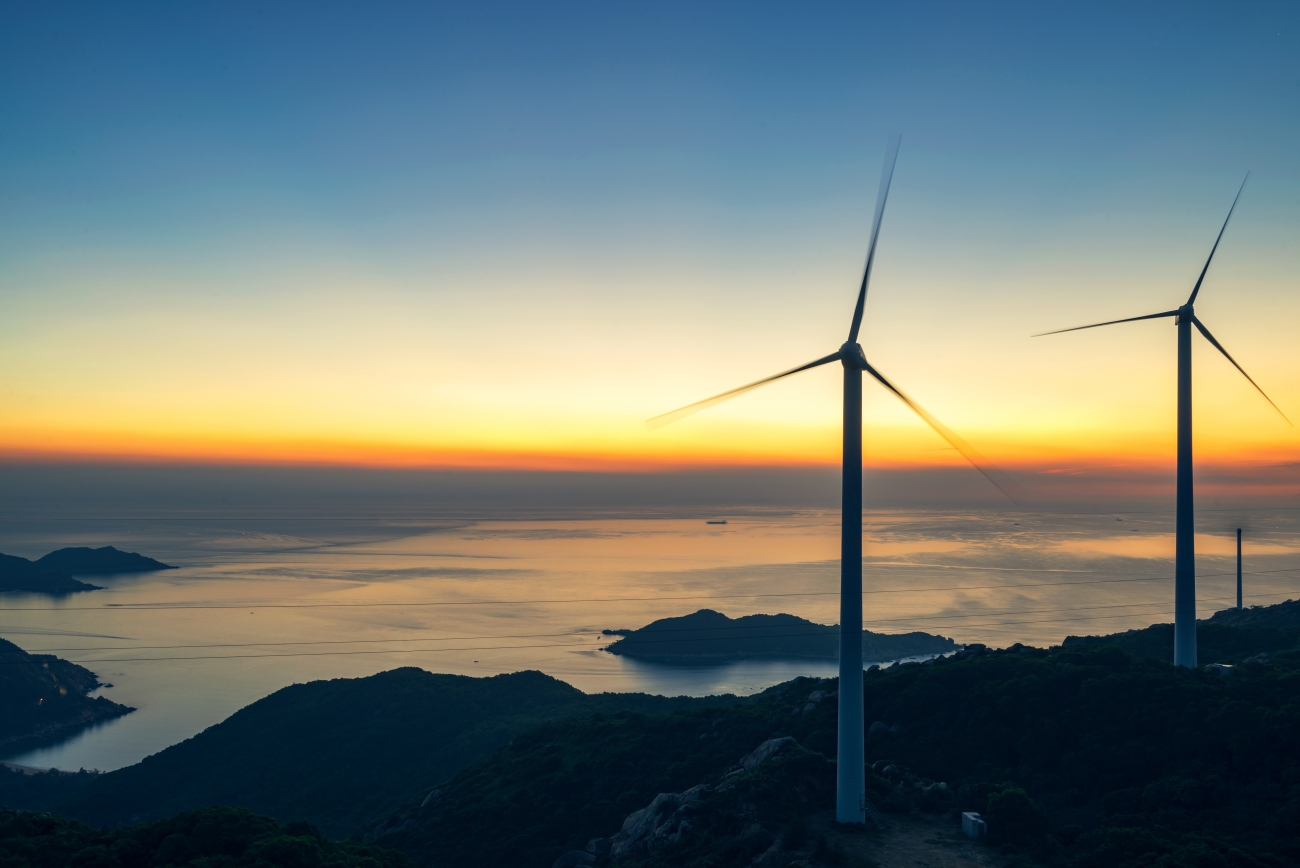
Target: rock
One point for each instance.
(599, 846)
(573, 859)
(771, 857)
(877, 727)
(816, 696)
(662, 821)
(434, 795)
(765, 751)
(694, 794)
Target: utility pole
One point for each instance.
(1238, 568)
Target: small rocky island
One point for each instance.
(99, 562)
(43, 697)
(53, 574)
(707, 636)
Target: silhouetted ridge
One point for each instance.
(1280, 615)
(1229, 636)
(43, 697)
(708, 635)
(343, 752)
(20, 574)
(101, 561)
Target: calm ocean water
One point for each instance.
(262, 603)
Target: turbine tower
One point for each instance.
(850, 800)
(1185, 523)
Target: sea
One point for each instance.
(259, 603)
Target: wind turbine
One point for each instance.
(850, 802)
(1185, 524)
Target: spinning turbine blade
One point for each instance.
(1191, 298)
(682, 412)
(886, 176)
(978, 461)
(1218, 346)
(1112, 322)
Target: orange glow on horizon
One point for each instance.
(888, 450)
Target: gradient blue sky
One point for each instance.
(351, 231)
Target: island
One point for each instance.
(43, 697)
(99, 562)
(53, 574)
(707, 636)
(20, 574)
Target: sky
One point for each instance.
(504, 235)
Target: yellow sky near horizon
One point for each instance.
(341, 368)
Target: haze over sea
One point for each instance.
(282, 592)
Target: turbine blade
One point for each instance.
(978, 461)
(683, 412)
(1218, 346)
(882, 195)
(1112, 322)
(1191, 298)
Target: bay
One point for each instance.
(261, 602)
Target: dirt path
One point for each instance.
(910, 841)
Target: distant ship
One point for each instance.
(721, 521)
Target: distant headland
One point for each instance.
(44, 698)
(53, 574)
(709, 636)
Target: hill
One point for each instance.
(1279, 615)
(340, 753)
(227, 837)
(20, 574)
(709, 636)
(43, 697)
(1228, 636)
(100, 561)
(1082, 756)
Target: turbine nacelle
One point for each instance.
(852, 356)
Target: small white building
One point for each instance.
(972, 825)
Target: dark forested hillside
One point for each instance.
(44, 697)
(1226, 637)
(560, 784)
(226, 837)
(343, 752)
(1079, 756)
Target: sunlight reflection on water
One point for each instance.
(260, 604)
